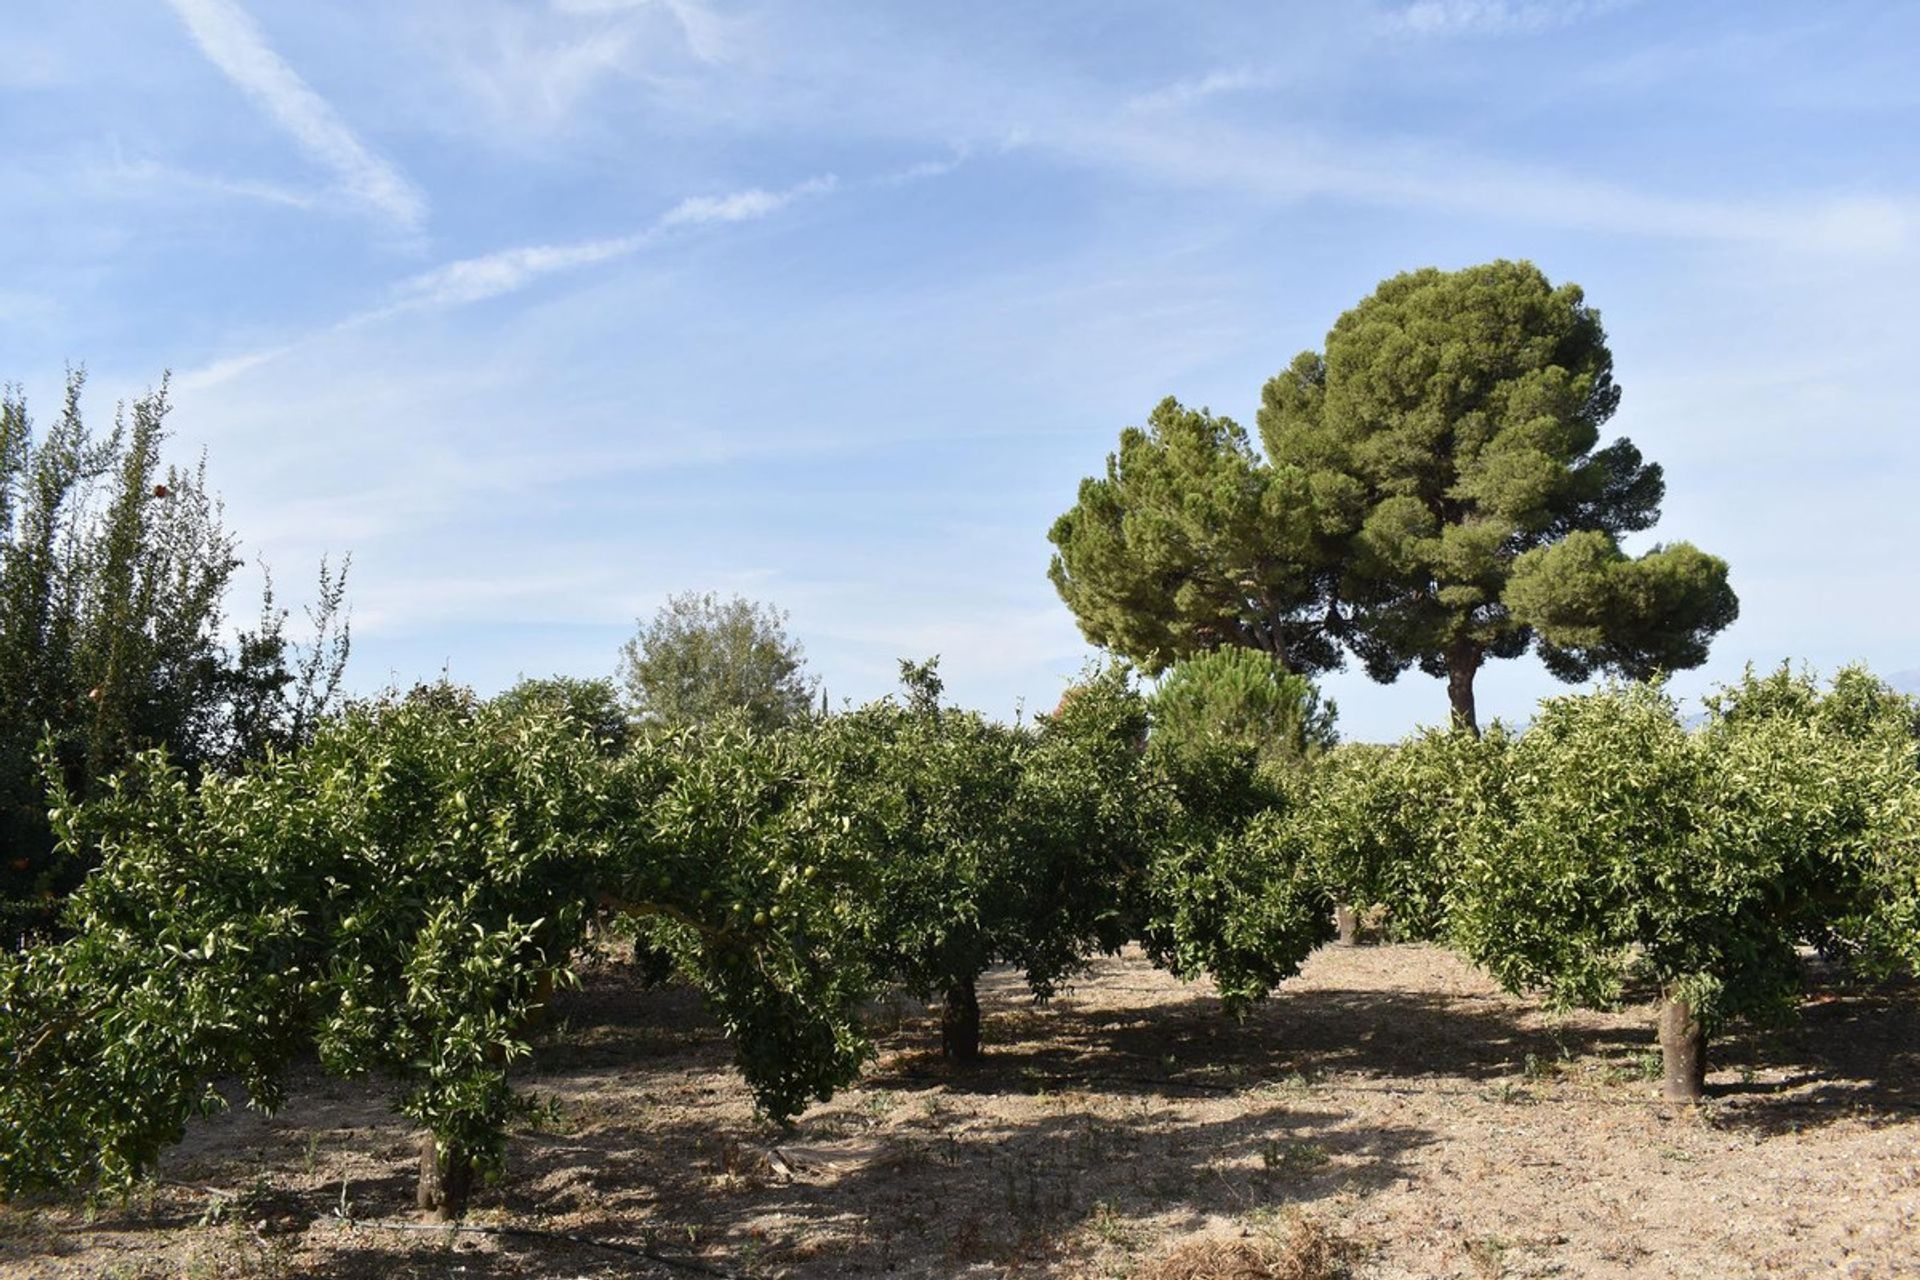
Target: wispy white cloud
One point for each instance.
(1494, 17)
(523, 72)
(510, 270)
(921, 170)
(234, 43)
(1183, 93)
(530, 75)
(494, 275)
(710, 37)
(152, 174)
(1168, 138)
(742, 206)
(1296, 166)
(228, 368)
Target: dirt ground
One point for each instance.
(1389, 1104)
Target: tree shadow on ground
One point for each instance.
(1085, 1117)
(1188, 1044)
(1852, 1054)
(951, 1191)
(915, 1170)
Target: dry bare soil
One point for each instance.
(1388, 1114)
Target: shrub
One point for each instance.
(1243, 697)
(1384, 824)
(1609, 845)
(401, 897)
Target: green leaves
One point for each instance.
(1244, 697)
(701, 658)
(1432, 494)
(1384, 825)
(1238, 903)
(1467, 406)
(1610, 844)
(114, 571)
(1190, 542)
(1595, 609)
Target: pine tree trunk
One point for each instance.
(960, 1022)
(1463, 663)
(445, 1183)
(1346, 921)
(1683, 1052)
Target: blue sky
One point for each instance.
(544, 309)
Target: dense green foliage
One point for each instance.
(1237, 903)
(1190, 542)
(1464, 410)
(1231, 893)
(1866, 903)
(1385, 824)
(594, 704)
(1433, 492)
(114, 572)
(732, 842)
(401, 896)
(1610, 846)
(701, 657)
(989, 843)
(1246, 698)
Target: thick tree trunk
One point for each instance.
(1346, 920)
(1683, 1052)
(960, 1022)
(445, 1181)
(1463, 663)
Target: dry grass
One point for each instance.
(1388, 1112)
(1304, 1250)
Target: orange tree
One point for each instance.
(986, 843)
(1231, 891)
(1610, 846)
(1382, 824)
(401, 897)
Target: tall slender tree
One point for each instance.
(114, 574)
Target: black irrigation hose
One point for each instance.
(535, 1233)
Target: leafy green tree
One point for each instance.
(1086, 825)
(1231, 890)
(734, 843)
(988, 843)
(595, 704)
(931, 792)
(1190, 543)
(114, 570)
(1610, 845)
(401, 897)
(1866, 907)
(702, 657)
(1246, 697)
(1459, 414)
(1433, 493)
(1384, 824)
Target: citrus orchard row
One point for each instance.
(401, 896)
